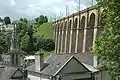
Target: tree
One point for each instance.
(45, 19)
(45, 44)
(1, 19)
(24, 42)
(4, 41)
(7, 20)
(25, 33)
(41, 19)
(107, 46)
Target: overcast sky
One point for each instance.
(32, 8)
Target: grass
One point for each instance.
(44, 30)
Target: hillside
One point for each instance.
(44, 30)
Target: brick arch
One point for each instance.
(55, 27)
(64, 36)
(70, 24)
(61, 25)
(81, 35)
(76, 23)
(74, 33)
(58, 26)
(82, 24)
(90, 33)
(65, 26)
(68, 36)
(57, 40)
(91, 23)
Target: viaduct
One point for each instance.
(76, 33)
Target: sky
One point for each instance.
(30, 9)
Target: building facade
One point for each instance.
(5, 27)
(76, 33)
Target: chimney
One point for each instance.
(39, 61)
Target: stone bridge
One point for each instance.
(76, 33)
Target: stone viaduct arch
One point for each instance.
(76, 33)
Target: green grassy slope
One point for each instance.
(45, 30)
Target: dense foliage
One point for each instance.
(4, 41)
(45, 44)
(41, 19)
(1, 19)
(25, 33)
(7, 20)
(107, 46)
(31, 43)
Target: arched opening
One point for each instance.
(73, 45)
(68, 36)
(81, 35)
(92, 21)
(54, 26)
(60, 39)
(82, 24)
(64, 36)
(90, 33)
(56, 40)
(76, 23)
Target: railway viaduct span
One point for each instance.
(76, 33)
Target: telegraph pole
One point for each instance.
(55, 17)
(92, 2)
(66, 10)
(79, 5)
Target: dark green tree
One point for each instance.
(7, 20)
(24, 42)
(4, 41)
(41, 19)
(1, 19)
(45, 19)
(45, 44)
(107, 46)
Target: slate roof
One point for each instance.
(6, 72)
(56, 61)
(17, 74)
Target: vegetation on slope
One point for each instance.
(44, 30)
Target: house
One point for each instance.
(65, 67)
